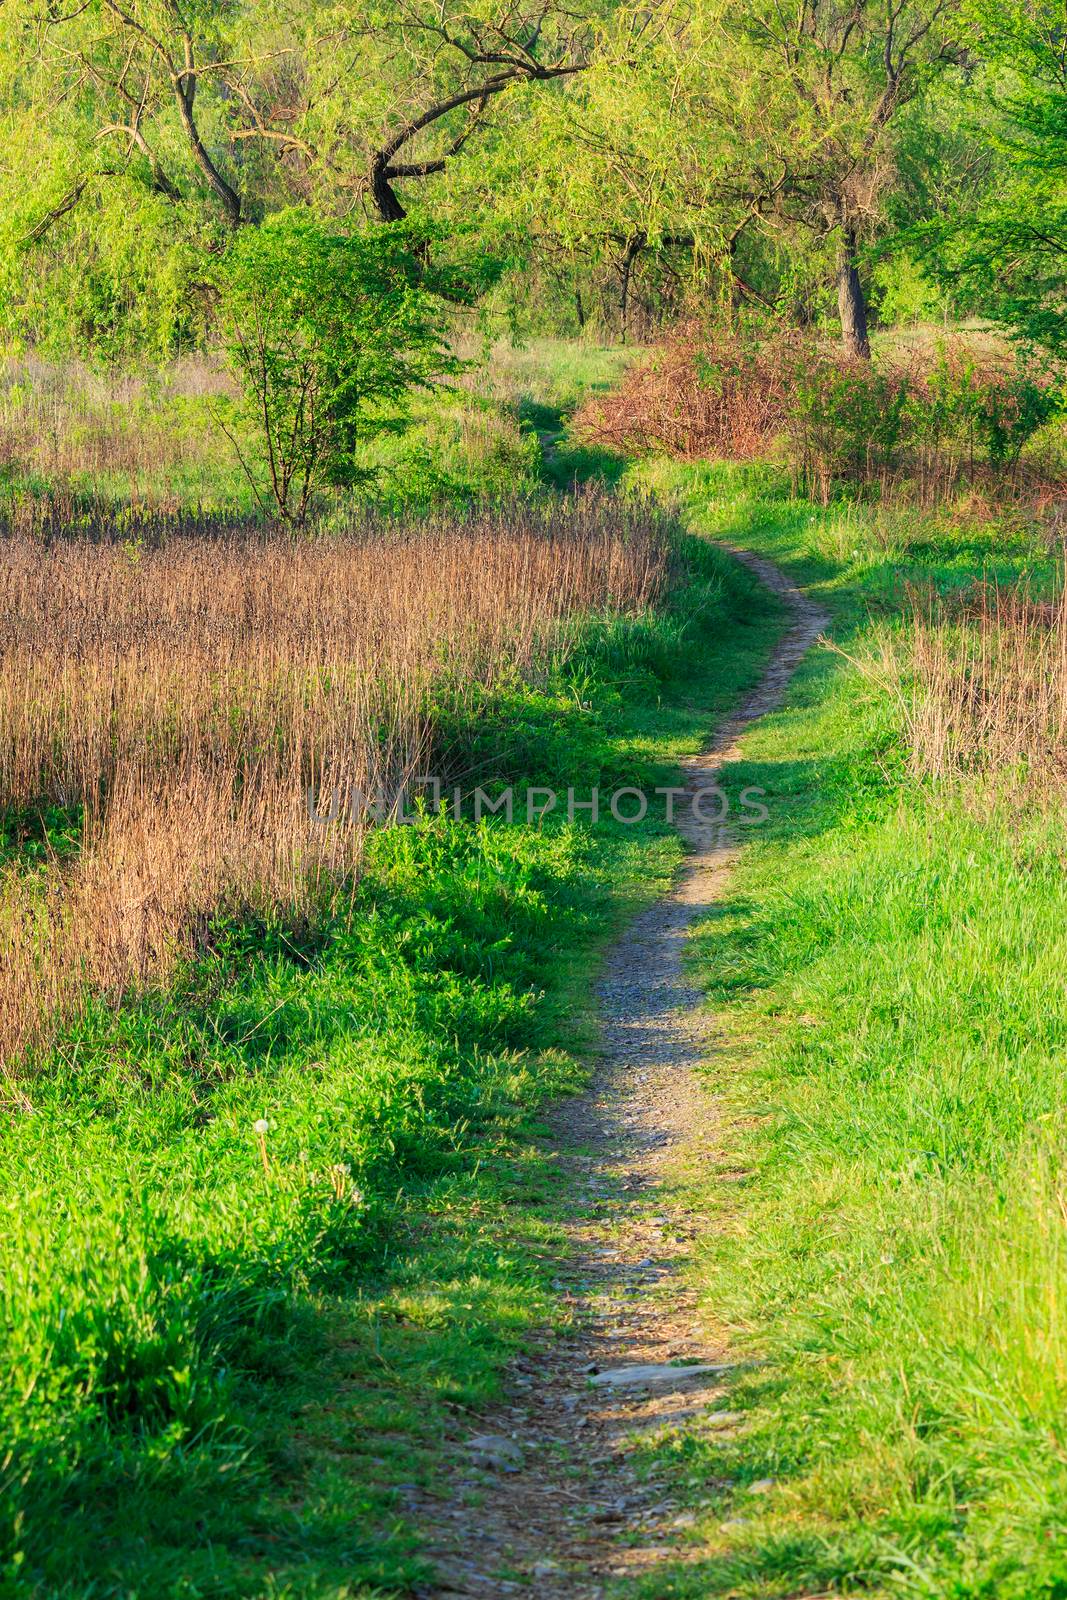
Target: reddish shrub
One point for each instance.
(701, 394)
(922, 427)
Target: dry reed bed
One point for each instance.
(984, 685)
(189, 696)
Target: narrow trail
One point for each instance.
(543, 1501)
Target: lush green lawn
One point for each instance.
(890, 966)
(226, 1358)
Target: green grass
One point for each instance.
(97, 443)
(224, 1379)
(888, 965)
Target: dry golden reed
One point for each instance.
(188, 697)
(986, 687)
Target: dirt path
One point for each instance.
(544, 1501)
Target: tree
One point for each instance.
(199, 117)
(135, 70)
(339, 100)
(429, 76)
(1005, 243)
(329, 334)
(742, 151)
(636, 180)
(851, 68)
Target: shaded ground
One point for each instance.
(545, 1499)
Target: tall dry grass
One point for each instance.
(68, 432)
(986, 685)
(189, 696)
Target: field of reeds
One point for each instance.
(986, 686)
(174, 707)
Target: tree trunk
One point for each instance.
(634, 245)
(851, 304)
(383, 194)
(185, 96)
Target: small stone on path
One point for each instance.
(494, 1450)
(661, 1375)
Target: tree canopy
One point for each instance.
(804, 160)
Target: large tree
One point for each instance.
(851, 69)
(751, 145)
(196, 117)
(1004, 243)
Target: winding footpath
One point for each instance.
(545, 1501)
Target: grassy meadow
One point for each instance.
(81, 445)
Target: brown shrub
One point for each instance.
(922, 425)
(699, 396)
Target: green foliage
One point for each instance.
(902, 292)
(459, 447)
(619, 166)
(330, 335)
(858, 424)
(32, 835)
(124, 287)
(1000, 413)
(1005, 243)
(846, 420)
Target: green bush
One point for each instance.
(330, 335)
(846, 419)
(854, 422)
(985, 411)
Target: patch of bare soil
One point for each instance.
(543, 1501)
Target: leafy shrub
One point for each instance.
(329, 335)
(846, 419)
(989, 410)
(954, 420)
(925, 424)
